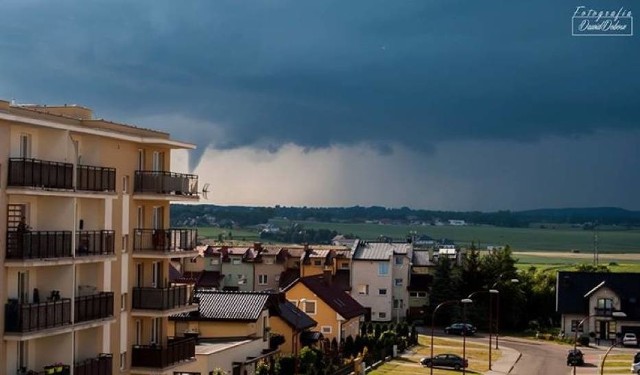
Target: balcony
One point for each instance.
(101, 365)
(93, 243)
(161, 299)
(91, 178)
(40, 174)
(166, 183)
(93, 307)
(155, 356)
(38, 245)
(606, 311)
(31, 317)
(171, 242)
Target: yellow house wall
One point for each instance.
(279, 326)
(324, 315)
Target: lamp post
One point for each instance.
(433, 318)
(615, 314)
(464, 333)
(491, 292)
(514, 281)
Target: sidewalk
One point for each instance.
(505, 363)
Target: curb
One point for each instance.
(514, 363)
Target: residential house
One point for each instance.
(237, 268)
(292, 323)
(86, 242)
(380, 276)
(268, 267)
(338, 315)
(422, 270)
(597, 297)
(232, 330)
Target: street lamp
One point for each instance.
(514, 281)
(491, 292)
(464, 302)
(615, 314)
(433, 318)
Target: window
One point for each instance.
(604, 306)
(123, 361)
(310, 307)
(574, 323)
(140, 222)
(236, 261)
(418, 294)
(155, 330)
(25, 145)
(326, 329)
(23, 351)
(125, 243)
(262, 279)
(382, 292)
(140, 159)
(317, 262)
(214, 261)
(398, 282)
(382, 315)
(344, 265)
(123, 301)
(398, 304)
(193, 260)
(125, 184)
(383, 268)
(398, 261)
(268, 261)
(363, 289)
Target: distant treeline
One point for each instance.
(228, 216)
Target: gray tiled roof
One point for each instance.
(216, 305)
(380, 250)
(421, 258)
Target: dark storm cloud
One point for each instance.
(317, 73)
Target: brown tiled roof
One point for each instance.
(287, 311)
(338, 300)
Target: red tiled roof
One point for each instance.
(338, 300)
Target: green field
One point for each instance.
(521, 239)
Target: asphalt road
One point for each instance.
(538, 358)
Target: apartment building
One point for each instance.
(380, 275)
(85, 244)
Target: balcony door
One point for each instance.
(138, 332)
(156, 274)
(139, 275)
(158, 217)
(23, 287)
(25, 145)
(140, 159)
(158, 161)
(15, 212)
(156, 325)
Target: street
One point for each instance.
(538, 357)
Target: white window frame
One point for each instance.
(214, 261)
(123, 301)
(263, 279)
(380, 292)
(25, 146)
(123, 361)
(236, 261)
(386, 266)
(306, 309)
(398, 261)
(363, 289)
(382, 315)
(326, 330)
(398, 282)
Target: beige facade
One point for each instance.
(89, 276)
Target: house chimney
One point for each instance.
(257, 246)
(327, 277)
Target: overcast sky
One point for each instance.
(443, 104)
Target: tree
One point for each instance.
(443, 287)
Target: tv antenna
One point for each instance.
(205, 190)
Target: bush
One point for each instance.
(584, 340)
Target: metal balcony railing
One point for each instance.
(92, 178)
(29, 317)
(160, 298)
(93, 307)
(40, 173)
(101, 365)
(165, 240)
(38, 244)
(156, 356)
(159, 182)
(97, 242)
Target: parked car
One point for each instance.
(459, 328)
(635, 368)
(630, 339)
(445, 360)
(575, 358)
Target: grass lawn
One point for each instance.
(523, 239)
(476, 353)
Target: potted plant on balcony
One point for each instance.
(49, 369)
(58, 368)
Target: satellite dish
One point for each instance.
(205, 190)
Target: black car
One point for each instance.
(575, 358)
(459, 328)
(445, 360)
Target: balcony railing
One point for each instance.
(29, 317)
(93, 307)
(159, 182)
(101, 365)
(165, 240)
(97, 242)
(160, 298)
(38, 244)
(40, 173)
(156, 356)
(600, 311)
(93, 178)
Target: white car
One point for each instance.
(630, 339)
(635, 368)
